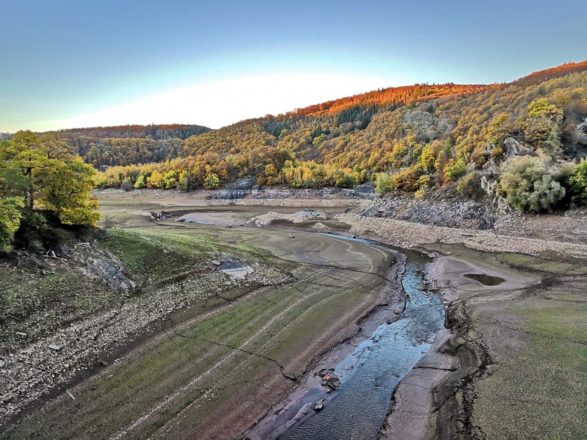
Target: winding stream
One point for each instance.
(371, 372)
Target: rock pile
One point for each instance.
(453, 213)
(298, 217)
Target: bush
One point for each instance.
(126, 185)
(141, 182)
(420, 194)
(454, 169)
(470, 186)
(9, 221)
(382, 183)
(407, 179)
(578, 183)
(343, 179)
(170, 180)
(496, 152)
(183, 182)
(528, 186)
(423, 186)
(155, 180)
(211, 181)
(542, 127)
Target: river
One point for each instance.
(372, 371)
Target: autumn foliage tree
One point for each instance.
(40, 173)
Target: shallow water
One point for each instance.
(370, 374)
(486, 280)
(235, 269)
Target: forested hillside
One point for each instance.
(130, 144)
(520, 141)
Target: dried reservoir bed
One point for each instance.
(214, 374)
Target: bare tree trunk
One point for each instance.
(31, 200)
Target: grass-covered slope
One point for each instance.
(537, 387)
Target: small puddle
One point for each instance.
(235, 269)
(483, 278)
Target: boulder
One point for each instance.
(515, 147)
(582, 133)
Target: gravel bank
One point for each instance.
(408, 235)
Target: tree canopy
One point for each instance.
(40, 173)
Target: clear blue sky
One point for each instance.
(67, 62)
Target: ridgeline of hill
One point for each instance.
(553, 72)
(130, 144)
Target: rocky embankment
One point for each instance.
(450, 213)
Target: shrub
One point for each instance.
(578, 183)
(183, 181)
(528, 186)
(211, 181)
(382, 183)
(496, 152)
(454, 169)
(423, 185)
(344, 179)
(542, 127)
(546, 195)
(126, 185)
(141, 182)
(9, 221)
(170, 179)
(407, 179)
(470, 186)
(155, 180)
(420, 194)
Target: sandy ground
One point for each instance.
(413, 411)
(227, 218)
